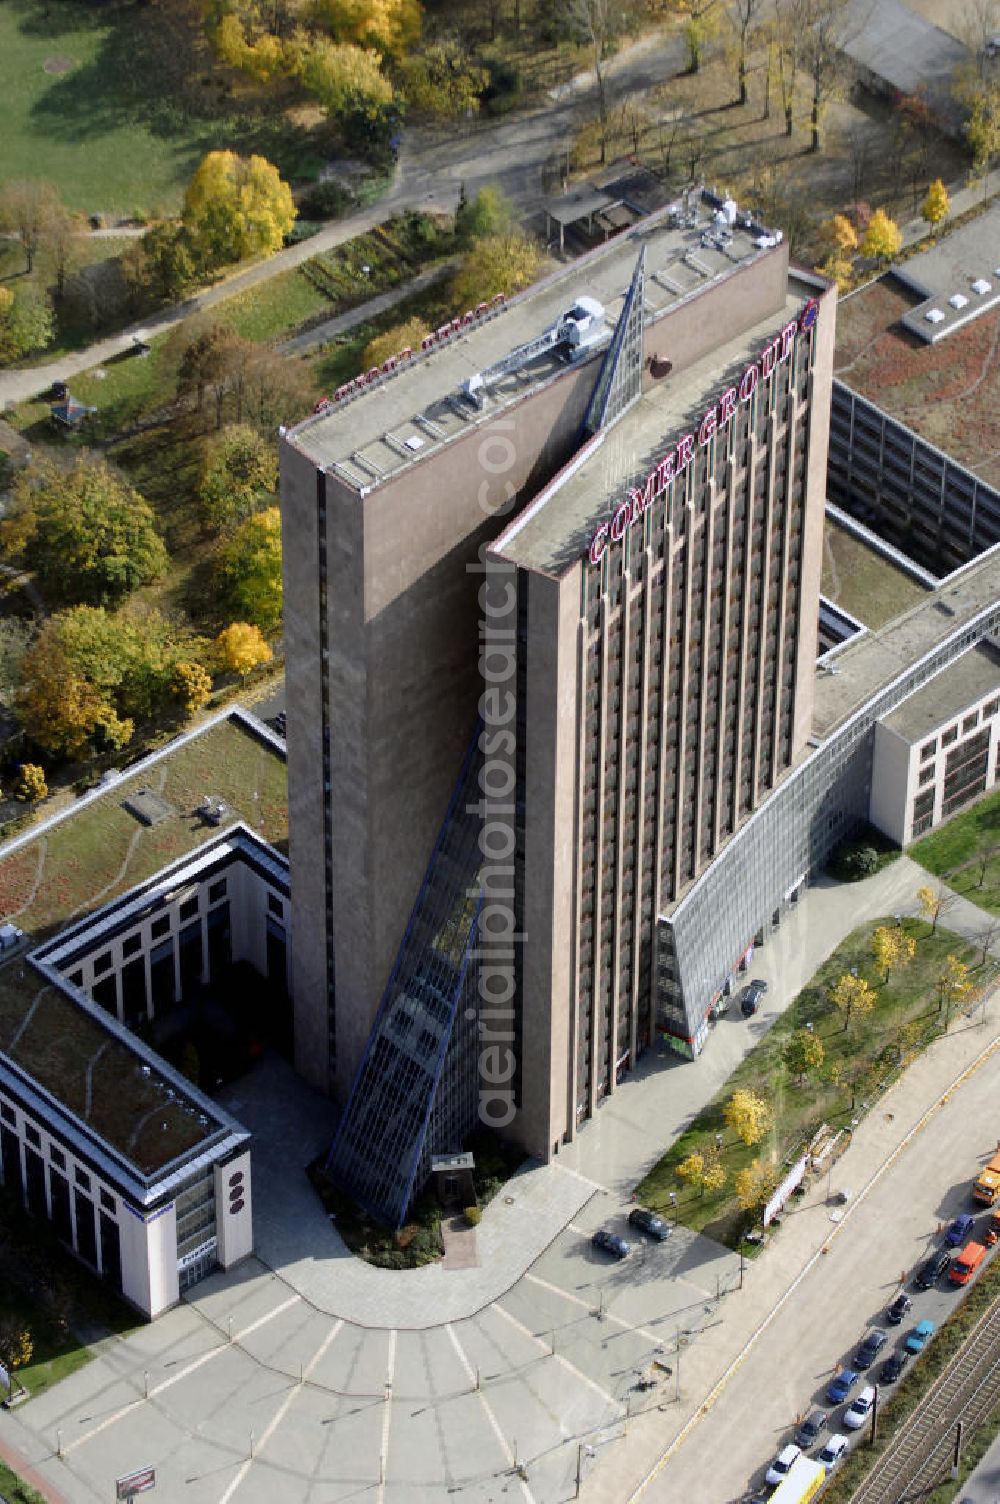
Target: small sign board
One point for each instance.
(139, 1482)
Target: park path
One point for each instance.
(342, 323)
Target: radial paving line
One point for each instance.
(494, 1424)
(182, 1373)
(550, 1352)
(390, 1369)
(281, 1412)
(655, 1337)
(751, 1342)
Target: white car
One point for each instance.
(859, 1408)
(833, 1451)
(781, 1466)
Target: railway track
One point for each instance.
(920, 1455)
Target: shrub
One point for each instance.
(853, 861)
(473, 1216)
(31, 785)
(325, 200)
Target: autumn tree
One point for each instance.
(240, 648)
(344, 78)
(400, 337)
(692, 1170)
(190, 685)
(853, 996)
(883, 237)
(744, 17)
(936, 204)
(505, 263)
(822, 27)
(595, 25)
(951, 985)
(785, 45)
(88, 533)
(748, 1115)
(700, 25)
(892, 948)
(215, 362)
(390, 27)
(30, 785)
(982, 127)
(236, 207)
(238, 477)
(934, 902)
(59, 707)
(842, 234)
(27, 209)
(803, 1054)
(249, 564)
(714, 1177)
(160, 266)
(754, 1184)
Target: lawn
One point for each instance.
(966, 851)
(15, 1490)
(858, 1062)
(115, 103)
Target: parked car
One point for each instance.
(959, 1230)
(841, 1385)
(833, 1451)
(871, 1347)
(898, 1309)
(647, 1221)
(918, 1339)
(932, 1269)
(781, 1466)
(808, 1431)
(893, 1366)
(610, 1242)
(859, 1408)
(753, 996)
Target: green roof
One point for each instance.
(73, 867)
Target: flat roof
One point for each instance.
(946, 392)
(965, 682)
(859, 579)
(72, 866)
(907, 51)
(962, 268)
(552, 533)
(378, 433)
(866, 665)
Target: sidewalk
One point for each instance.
(370, 309)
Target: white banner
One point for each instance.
(785, 1189)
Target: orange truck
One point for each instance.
(967, 1263)
(987, 1187)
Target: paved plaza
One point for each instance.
(306, 1375)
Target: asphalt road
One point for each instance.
(818, 1330)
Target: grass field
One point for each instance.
(115, 103)
(858, 1062)
(966, 851)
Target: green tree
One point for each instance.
(441, 81)
(241, 647)
(31, 785)
(89, 534)
(936, 204)
(249, 562)
(883, 237)
(238, 477)
(489, 214)
(748, 1115)
(59, 708)
(161, 266)
(853, 996)
(236, 207)
(344, 78)
(982, 127)
(26, 322)
(803, 1054)
(505, 263)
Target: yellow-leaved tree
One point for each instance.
(754, 1184)
(237, 206)
(748, 1115)
(502, 263)
(692, 1170)
(241, 647)
(853, 996)
(936, 204)
(883, 237)
(344, 78)
(892, 948)
(952, 984)
(399, 337)
(391, 27)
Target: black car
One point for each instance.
(807, 1433)
(610, 1242)
(871, 1347)
(647, 1221)
(932, 1269)
(898, 1309)
(893, 1366)
(752, 997)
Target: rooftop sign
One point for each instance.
(640, 498)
